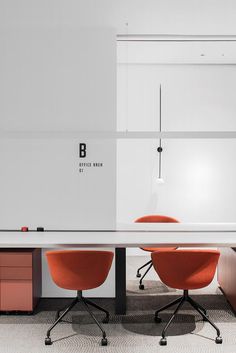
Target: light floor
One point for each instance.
(134, 333)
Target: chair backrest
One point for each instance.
(79, 269)
(186, 269)
(156, 219)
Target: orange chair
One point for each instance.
(152, 219)
(79, 270)
(185, 269)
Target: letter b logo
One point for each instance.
(82, 150)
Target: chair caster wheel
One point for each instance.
(157, 319)
(104, 342)
(141, 286)
(138, 275)
(105, 320)
(163, 342)
(48, 341)
(218, 340)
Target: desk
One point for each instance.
(132, 235)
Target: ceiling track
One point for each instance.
(174, 38)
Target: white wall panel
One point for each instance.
(199, 180)
(199, 98)
(54, 82)
(150, 16)
(176, 49)
(194, 97)
(138, 98)
(58, 78)
(41, 184)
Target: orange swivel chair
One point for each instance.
(79, 270)
(185, 269)
(152, 219)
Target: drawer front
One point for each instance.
(16, 273)
(11, 259)
(16, 295)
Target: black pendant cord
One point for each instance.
(160, 110)
(159, 149)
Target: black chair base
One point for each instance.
(180, 301)
(86, 303)
(141, 286)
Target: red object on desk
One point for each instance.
(24, 229)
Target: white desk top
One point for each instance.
(178, 227)
(133, 235)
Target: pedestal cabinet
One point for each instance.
(226, 274)
(20, 279)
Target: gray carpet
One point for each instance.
(135, 332)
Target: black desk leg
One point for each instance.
(120, 301)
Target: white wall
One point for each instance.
(51, 81)
(55, 83)
(198, 174)
(199, 180)
(41, 184)
(194, 97)
(150, 16)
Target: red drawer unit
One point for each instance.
(20, 279)
(226, 274)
